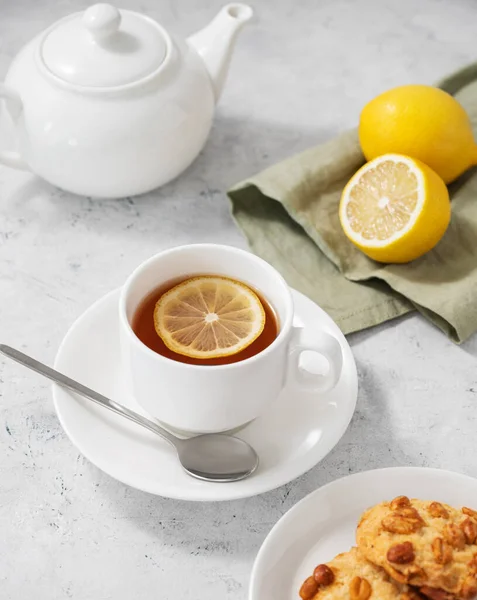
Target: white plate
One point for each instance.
(296, 433)
(324, 523)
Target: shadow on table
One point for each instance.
(361, 337)
(470, 347)
(369, 442)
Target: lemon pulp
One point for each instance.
(395, 209)
(209, 317)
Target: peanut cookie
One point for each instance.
(425, 544)
(349, 576)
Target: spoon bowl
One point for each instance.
(217, 457)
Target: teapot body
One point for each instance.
(112, 142)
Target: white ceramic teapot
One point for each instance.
(106, 103)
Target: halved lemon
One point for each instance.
(209, 317)
(395, 209)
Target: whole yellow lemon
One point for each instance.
(422, 122)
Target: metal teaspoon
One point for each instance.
(216, 457)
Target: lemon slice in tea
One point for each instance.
(209, 317)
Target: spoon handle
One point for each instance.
(88, 393)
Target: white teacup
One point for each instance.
(205, 399)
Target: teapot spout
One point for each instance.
(215, 43)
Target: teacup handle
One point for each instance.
(313, 340)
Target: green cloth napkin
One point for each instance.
(289, 214)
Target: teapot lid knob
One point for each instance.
(102, 20)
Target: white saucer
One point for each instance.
(292, 437)
(324, 523)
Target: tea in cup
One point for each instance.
(209, 320)
(208, 339)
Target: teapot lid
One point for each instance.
(104, 47)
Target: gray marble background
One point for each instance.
(301, 73)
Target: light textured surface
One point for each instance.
(300, 74)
